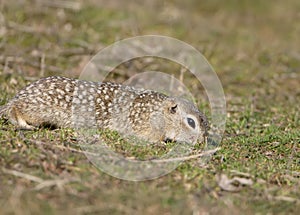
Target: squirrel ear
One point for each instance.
(173, 109)
(172, 106)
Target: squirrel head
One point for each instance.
(183, 121)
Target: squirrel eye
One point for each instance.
(191, 122)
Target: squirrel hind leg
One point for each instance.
(16, 118)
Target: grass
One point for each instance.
(253, 47)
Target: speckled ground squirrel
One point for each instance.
(146, 114)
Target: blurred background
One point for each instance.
(249, 43)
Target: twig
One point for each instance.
(23, 175)
(56, 182)
(63, 147)
(23, 28)
(42, 74)
(76, 52)
(32, 63)
(236, 172)
(62, 4)
(285, 198)
(93, 209)
(183, 70)
(42, 183)
(206, 153)
(49, 67)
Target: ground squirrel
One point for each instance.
(65, 102)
